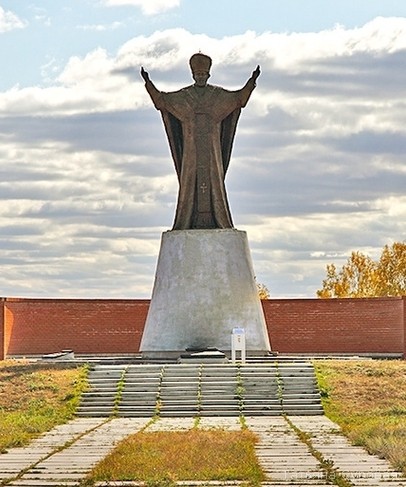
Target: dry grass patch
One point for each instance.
(165, 457)
(34, 397)
(367, 398)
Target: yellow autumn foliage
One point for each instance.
(362, 277)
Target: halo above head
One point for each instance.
(200, 62)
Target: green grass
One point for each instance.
(367, 398)
(35, 397)
(162, 458)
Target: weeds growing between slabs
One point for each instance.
(35, 397)
(164, 457)
(367, 398)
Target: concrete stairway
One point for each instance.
(180, 390)
(139, 391)
(220, 391)
(101, 399)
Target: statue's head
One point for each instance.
(200, 65)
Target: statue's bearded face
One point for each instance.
(201, 78)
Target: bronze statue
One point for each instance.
(200, 122)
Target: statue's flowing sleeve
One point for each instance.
(173, 127)
(229, 123)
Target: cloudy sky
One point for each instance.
(87, 184)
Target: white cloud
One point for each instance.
(317, 169)
(9, 21)
(304, 74)
(148, 7)
(101, 27)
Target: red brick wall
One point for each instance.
(2, 330)
(355, 326)
(404, 327)
(38, 326)
(336, 325)
(8, 327)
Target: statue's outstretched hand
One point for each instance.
(144, 74)
(256, 73)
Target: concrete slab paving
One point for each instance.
(172, 424)
(44, 483)
(230, 423)
(19, 459)
(286, 460)
(87, 450)
(355, 463)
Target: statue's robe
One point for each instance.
(200, 123)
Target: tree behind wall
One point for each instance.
(362, 277)
(263, 291)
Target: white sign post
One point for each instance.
(238, 343)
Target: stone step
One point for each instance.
(178, 413)
(218, 373)
(230, 374)
(136, 394)
(259, 385)
(174, 398)
(261, 393)
(262, 410)
(107, 370)
(145, 367)
(305, 396)
(176, 377)
(297, 389)
(218, 390)
(104, 380)
(139, 381)
(139, 400)
(140, 385)
(260, 399)
(103, 387)
(130, 376)
(147, 388)
(136, 399)
(179, 371)
(122, 410)
(217, 403)
(94, 403)
(273, 402)
(219, 412)
(185, 389)
(100, 400)
(135, 415)
(254, 378)
(95, 412)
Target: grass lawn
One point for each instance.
(162, 458)
(367, 398)
(35, 397)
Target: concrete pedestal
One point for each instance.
(204, 287)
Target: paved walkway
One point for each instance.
(64, 455)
